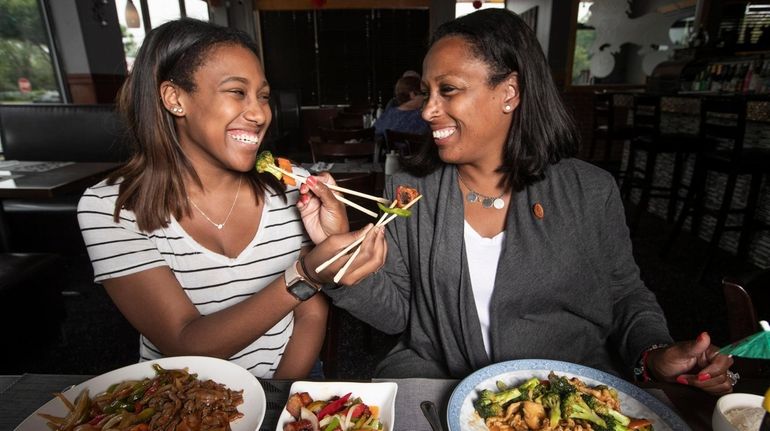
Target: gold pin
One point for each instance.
(537, 209)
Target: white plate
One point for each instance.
(221, 371)
(634, 401)
(381, 394)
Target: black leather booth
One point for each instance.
(59, 132)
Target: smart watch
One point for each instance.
(297, 285)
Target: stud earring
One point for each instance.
(177, 109)
(507, 108)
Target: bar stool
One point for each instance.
(723, 129)
(609, 130)
(649, 138)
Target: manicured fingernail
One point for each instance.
(703, 377)
(312, 181)
(682, 380)
(701, 336)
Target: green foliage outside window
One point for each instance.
(581, 63)
(25, 52)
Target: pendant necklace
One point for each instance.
(486, 201)
(220, 226)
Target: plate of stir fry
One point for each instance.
(339, 406)
(184, 392)
(554, 395)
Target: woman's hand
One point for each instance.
(370, 259)
(696, 363)
(322, 214)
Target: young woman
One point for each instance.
(517, 250)
(199, 251)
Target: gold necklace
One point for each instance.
(486, 201)
(220, 226)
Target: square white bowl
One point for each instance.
(381, 394)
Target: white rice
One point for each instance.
(745, 418)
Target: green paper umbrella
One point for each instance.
(755, 346)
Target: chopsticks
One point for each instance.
(335, 187)
(300, 179)
(384, 219)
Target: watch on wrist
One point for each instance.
(297, 285)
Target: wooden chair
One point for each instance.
(338, 151)
(649, 138)
(404, 143)
(612, 128)
(723, 128)
(345, 120)
(747, 297)
(345, 135)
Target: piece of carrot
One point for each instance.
(285, 164)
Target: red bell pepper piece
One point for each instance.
(334, 406)
(97, 419)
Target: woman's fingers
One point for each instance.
(371, 257)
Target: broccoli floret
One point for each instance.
(532, 389)
(492, 403)
(266, 163)
(560, 384)
(487, 409)
(612, 425)
(604, 410)
(552, 401)
(573, 407)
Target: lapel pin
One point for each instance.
(537, 209)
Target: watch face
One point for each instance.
(302, 290)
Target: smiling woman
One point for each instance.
(196, 248)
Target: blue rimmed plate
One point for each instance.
(633, 400)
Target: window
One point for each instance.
(28, 72)
(464, 7)
(619, 42)
(160, 11)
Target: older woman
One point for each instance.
(518, 250)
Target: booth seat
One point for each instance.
(59, 132)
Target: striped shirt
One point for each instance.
(211, 281)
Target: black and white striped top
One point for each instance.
(212, 281)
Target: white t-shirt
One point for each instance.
(482, 255)
(211, 281)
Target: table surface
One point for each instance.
(21, 395)
(33, 180)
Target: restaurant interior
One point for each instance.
(644, 80)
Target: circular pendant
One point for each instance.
(498, 203)
(487, 202)
(219, 226)
(472, 197)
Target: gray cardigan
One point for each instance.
(567, 286)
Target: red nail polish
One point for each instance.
(682, 380)
(701, 336)
(703, 377)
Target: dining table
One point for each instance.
(45, 180)
(22, 395)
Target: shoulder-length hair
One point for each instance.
(152, 181)
(542, 132)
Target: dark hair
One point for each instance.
(405, 86)
(153, 179)
(542, 131)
